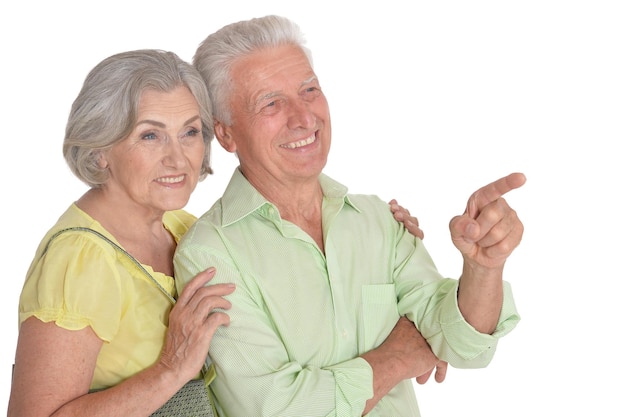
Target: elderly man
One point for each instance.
(330, 288)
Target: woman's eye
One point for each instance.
(149, 136)
(192, 132)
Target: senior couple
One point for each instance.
(311, 301)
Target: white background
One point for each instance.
(429, 102)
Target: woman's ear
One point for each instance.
(223, 136)
(102, 160)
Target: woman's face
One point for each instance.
(158, 165)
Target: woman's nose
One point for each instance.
(173, 155)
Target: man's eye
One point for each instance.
(311, 93)
(269, 106)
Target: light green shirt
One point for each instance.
(300, 319)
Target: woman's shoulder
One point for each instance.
(74, 280)
(178, 222)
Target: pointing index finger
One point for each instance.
(492, 192)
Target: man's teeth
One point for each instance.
(171, 180)
(300, 143)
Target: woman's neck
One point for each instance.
(140, 231)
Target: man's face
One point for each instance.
(280, 118)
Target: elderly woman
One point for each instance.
(97, 308)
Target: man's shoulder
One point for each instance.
(367, 203)
(204, 227)
(212, 215)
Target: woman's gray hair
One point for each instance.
(216, 55)
(105, 110)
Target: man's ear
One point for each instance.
(223, 136)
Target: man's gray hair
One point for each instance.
(216, 55)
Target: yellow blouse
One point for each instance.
(82, 280)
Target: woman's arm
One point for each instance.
(54, 367)
(403, 215)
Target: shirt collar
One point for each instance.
(241, 198)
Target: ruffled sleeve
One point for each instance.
(75, 284)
